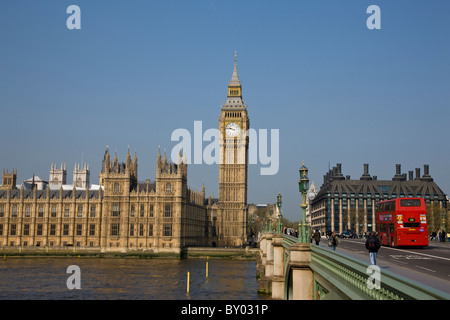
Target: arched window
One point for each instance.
(168, 188)
(116, 188)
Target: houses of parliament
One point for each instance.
(123, 213)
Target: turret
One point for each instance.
(128, 161)
(135, 165)
(9, 180)
(106, 161)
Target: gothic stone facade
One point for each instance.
(122, 215)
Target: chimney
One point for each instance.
(426, 173)
(339, 175)
(417, 174)
(366, 175)
(411, 175)
(398, 173)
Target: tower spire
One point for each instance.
(234, 98)
(235, 78)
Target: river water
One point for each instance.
(136, 279)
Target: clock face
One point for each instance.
(232, 129)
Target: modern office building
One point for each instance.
(345, 204)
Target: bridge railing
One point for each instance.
(337, 276)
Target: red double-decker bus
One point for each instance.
(402, 222)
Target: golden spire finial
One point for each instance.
(235, 55)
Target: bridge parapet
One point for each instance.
(265, 264)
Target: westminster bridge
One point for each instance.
(289, 270)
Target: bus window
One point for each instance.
(391, 228)
(391, 206)
(410, 203)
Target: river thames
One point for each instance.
(134, 279)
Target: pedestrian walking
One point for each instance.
(317, 237)
(433, 236)
(373, 244)
(333, 241)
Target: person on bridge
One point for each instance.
(333, 241)
(317, 237)
(373, 244)
(433, 236)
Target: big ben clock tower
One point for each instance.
(233, 126)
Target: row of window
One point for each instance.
(51, 243)
(116, 211)
(91, 244)
(53, 212)
(92, 214)
(52, 230)
(7, 181)
(115, 230)
(116, 188)
(233, 114)
(139, 231)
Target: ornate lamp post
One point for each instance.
(444, 217)
(269, 221)
(303, 186)
(279, 228)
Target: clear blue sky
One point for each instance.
(137, 70)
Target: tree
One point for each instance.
(434, 217)
(257, 219)
(356, 219)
